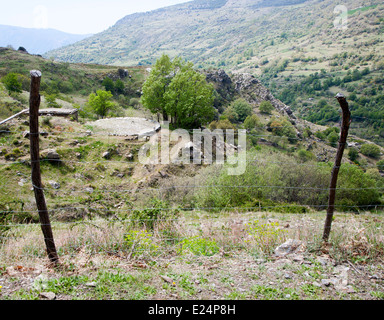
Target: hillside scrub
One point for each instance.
(279, 180)
(370, 150)
(12, 83)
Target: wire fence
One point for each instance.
(112, 238)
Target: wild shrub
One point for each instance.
(370, 150)
(265, 236)
(141, 243)
(281, 180)
(199, 246)
(380, 165)
(157, 212)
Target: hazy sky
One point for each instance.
(74, 16)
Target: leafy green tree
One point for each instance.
(156, 85)
(370, 150)
(175, 90)
(230, 114)
(108, 84)
(119, 86)
(189, 99)
(12, 83)
(332, 138)
(266, 107)
(282, 127)
(101, 102)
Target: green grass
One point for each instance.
(351, 12)
(105, 286)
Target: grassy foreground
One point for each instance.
(197, 256)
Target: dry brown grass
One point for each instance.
(353, 237)
(98, 247)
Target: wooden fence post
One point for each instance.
(34, 104)
(346, 121)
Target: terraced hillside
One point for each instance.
(296, 48)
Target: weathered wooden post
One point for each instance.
(34, 104)
(346, 121)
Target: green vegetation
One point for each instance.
(140, 243)
(283, 128)
(178, 92)
(265, 236)
(66, 85)
(199, 246)
(130, 231)
(157, 213)
(51, 101)
(300, 61)
(279, 182)
(266, 107)
(252, 122)
(353, 154)
(238, 111)
(380, 165)
(12, 83)
(370, 150)
(100, 102)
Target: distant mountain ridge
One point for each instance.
(36, 41)
(298, 49)
(207, 32)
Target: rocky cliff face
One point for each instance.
(224, 87)
(246, 86)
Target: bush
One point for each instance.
(51, 101)
(141, 243)
(231, 115)
(12, 83)
(252, 122)
(266, 107)
(380, 165)
(266, 236)
(305, 155)
(222, 124)
(353, 154)
(199, 246)
(242, 108)
(370, 150)
(282, 127)
(134, 102)
(279, 181)
(157, 212)
(333, 138)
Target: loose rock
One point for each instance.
(48, 295)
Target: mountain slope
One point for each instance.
(293, 46)
(36, 41)
(235, 34)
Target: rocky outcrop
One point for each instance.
(251, 89)
(246, 86)
(223, 85)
